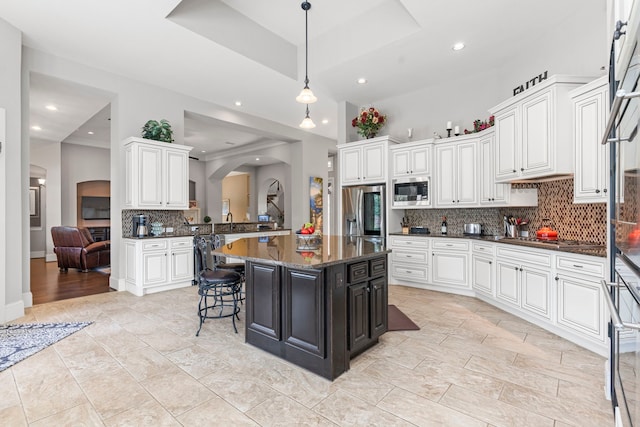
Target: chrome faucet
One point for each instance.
(230, 215)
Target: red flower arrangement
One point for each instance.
(480, 125)
(369, 122)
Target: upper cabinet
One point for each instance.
(364, 162)
(491, 192)
(533, 131)
(411, 159)
(456, 173)
(590, 111)
(156, 174)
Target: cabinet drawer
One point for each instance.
(452, 245)
(408, 272)
(482, 248)
(530, 256)
(579, 265)
(358, 271)
(378, 267)
(154, 245)
(408, 242)
(400, 255)
(181, 243)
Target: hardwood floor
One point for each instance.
(49, 284)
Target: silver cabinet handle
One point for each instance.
(578, 266)
(449, 244)
(615, 316)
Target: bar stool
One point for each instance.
(219, 263)
(221, 286)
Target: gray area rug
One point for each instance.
(19, 341)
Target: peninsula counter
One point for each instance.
(314, 305)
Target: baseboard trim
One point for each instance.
(14, 310)
(27, 299)
(37, 254)
(51, 258)
(117, 284)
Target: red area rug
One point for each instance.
(398, 321)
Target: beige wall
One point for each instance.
(236, 188)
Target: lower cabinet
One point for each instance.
(367, 303)
(482, 274)
(525, 287)
(409, 260)
(450, 261)
(154, 265)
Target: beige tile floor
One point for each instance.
(140, 364)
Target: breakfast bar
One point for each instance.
(314, 301)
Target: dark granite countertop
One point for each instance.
(161, 236)
(600, 251)
(289, 251)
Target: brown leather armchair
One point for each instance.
(75, 248)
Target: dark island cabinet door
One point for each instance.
(263, 300)
(304, 311)
(359, 323)
(378, 306)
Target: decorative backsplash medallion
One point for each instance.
(584, 221)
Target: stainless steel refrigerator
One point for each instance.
(363, 210)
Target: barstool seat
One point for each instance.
(221, 286)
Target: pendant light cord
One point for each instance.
(306, 6)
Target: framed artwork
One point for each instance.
(225, 207)
(315, 202)
(34, 201)
(193, 204)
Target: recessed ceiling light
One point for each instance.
(51, 108)
(325, 121)
(257, 159)
(238, 103)
(90, 132)
(458, 46)
(362, 81)
(36, 127)
(203, 151)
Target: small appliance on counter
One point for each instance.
(140, 225)
(419, 230)
(156, 228)
(472, 228)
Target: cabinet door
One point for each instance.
(264, 317)
(303, 312)
(400, 159)
(482, 275)
(580, 306)
(377, 289)
(149, 173)
(507, 142)
(446, 176)
(177, 180)
(450, 268)
(591, 157)
(359, 325)
(535, 292)
(467, 174)
(181, 264)
(351, 165)
(373, 164)
(537, 138)
(508, 282)
(421, 161)
(487, 178)
(154, 268)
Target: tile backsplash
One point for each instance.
(585, 221)
(168, 218)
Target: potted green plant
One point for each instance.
(158, 131)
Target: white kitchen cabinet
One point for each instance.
(591, 179)
(491, 192)
(409, 259)
(457, 174)
(158, 264)
(156, 174)
(580, 301)
(364, 162)
(483, 268)
(411, 159)
(450, 261)
(532, 130)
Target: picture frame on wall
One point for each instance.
(225, 207)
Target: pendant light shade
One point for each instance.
(307, 123)
(306, 95)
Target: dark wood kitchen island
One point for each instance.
(315, 305)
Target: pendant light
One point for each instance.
(306, 96)
(307, 123)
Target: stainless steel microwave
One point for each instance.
(411, 192)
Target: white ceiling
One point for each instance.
(253, 51)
